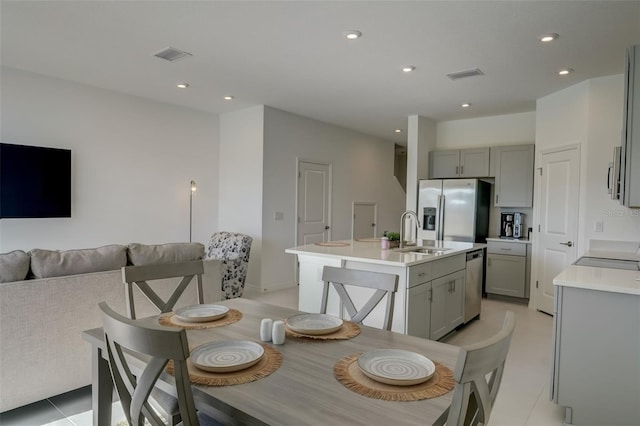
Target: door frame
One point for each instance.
(353, 215)
(535, 247)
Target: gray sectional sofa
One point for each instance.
(47, 298)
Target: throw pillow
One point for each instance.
(14, 266)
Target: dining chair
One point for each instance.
(137, 276)
(478, 373)
(162, 344)
(232, 249)
(384, 284)
(140, 277)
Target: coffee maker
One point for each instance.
(512, 225)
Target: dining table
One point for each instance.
(303, 390)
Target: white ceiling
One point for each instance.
(293, 55)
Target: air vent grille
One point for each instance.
(171, 54)
(464, 74)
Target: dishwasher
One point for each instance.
(473, 284)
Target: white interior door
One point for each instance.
(314, 194)
(364, 220)
(557, 237)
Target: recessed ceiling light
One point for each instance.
(565, 71)
(546, 38)
(228, 98)
(182, 85)
(465, 105)
(352, 34)
(398, 130)
(409, 68)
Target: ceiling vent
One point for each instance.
(465, 74)
(171, 54)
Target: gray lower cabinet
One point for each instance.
(507, 269)
(596, 357)
(447, 304)
(435, 298)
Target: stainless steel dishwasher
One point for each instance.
(473, 284)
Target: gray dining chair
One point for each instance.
(478, 374)
(143, 277)
(162, 344)
(138, 276)
(340, 278)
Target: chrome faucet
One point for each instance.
(402, 230)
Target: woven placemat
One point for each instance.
(333, 244)
(172, 320)
(347, 331)
(349, 374)
(270, 362)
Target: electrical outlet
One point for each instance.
(599, 226)
(278, 216)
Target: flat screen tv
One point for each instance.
(35, 182)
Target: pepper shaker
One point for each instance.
(266, 326)
(278, 333)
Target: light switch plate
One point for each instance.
(278, 216)
(599, 226)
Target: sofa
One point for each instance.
(47, 298)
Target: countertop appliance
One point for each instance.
(454, 210)
(473, 284)
(512, 225)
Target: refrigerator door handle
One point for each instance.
(440, 232)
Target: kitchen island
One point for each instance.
(431, 286)
(596, 367)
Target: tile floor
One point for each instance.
(523, 399)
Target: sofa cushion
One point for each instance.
(142, 254)
(14, 266)
(54, 263)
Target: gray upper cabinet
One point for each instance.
(514, 175)
(459, 163)
(630, 161)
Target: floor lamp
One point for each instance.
(193, 189)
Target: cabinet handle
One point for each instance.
(454, 287)
(508, 249)
(496, 199)
(461, 170)
(430, 295)
(457, 170)
(422, 274)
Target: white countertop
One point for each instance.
(601, 279)
(370, 252)
(510, 240)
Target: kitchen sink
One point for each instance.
(423, 250)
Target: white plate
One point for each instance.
(201, 313)
(314, 324)
(396, 367)
(227, 355)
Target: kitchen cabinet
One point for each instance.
(513, 175)
(447, 304)
(459, 163)
(508, 268)
(630, 159)
(595, 370)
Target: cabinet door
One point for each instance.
(506, 275)
(474, 162)
(419, 310)
(444, 164)
(440, 290)
(455, 301)
(514, 176)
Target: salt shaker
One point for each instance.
(278, 332)
(265, 329)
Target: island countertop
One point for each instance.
(370, 251)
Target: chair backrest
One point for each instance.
(137, 276)
(478, 374)
(233, 250)
(384, 284)
(124, 336)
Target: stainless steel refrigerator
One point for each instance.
(454, 209)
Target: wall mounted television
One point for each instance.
(35, 182)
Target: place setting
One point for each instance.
(394, 375)
(320, 327)
(201, 316)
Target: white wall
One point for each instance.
(132, 162)
(421, 139)
(240, 176)
(362, 171)
(509, 129)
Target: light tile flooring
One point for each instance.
(523, 399)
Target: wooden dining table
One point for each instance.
(303, 390)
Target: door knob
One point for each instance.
(568, 243)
